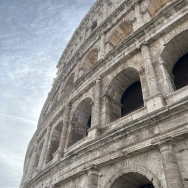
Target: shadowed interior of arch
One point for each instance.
(55, 140)
(132, 98)
(175, 57)
(180, 72)
(81, 121)
(132, 180)
(124, 94)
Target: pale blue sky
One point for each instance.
(33, 35)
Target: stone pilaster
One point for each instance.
(95, 127)
(92, 178)
(167, 78)
(102, 47)
(64, 133)
(155, 100)
(77, 73)
(138, 15)
(44, 149)
(47, 150)
(143, 81)
(151, 79)
(105, 10)
(170, 165)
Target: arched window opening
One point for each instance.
(124, 95)
(132, 99)
(155, 6)
(180, 72)
(81, 121)
(94, 25)
(55, 140)
(120, 33)
(69, 82)
(90, 60)
(133, 180)
(175, 58)
(55, 98)
(38, 155)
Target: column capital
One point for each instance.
(35, 148)
(49, 127)
(141, 71)
(103, 33)
(144, 45)
(93, 169)
(99, 80)
(91, 103)
(163, 142)
(136, 1)
(69, 104)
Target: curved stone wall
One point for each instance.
(83, 135)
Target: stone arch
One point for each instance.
(173, 52)
(69, 82)
(180, 72)
(90, 60)
(81, 121)
(134, 170)
(119, 70)
(119, 33)
(118, 92)
(54, 141)
(155, 6)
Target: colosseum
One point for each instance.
(117, 113)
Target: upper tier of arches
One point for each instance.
(97, 16)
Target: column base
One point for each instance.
(94, 132)
(154, 103)
(58, 155)
(101, 57)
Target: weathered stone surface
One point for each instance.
(83, 139)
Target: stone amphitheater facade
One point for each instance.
(117, 113)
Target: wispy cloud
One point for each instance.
(17, 118)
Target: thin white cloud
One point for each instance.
(17, 118)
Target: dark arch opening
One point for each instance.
(54, 142)
(180, 72)
(132, 98)
(88, 124)
(132, 180)
(94, 25)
